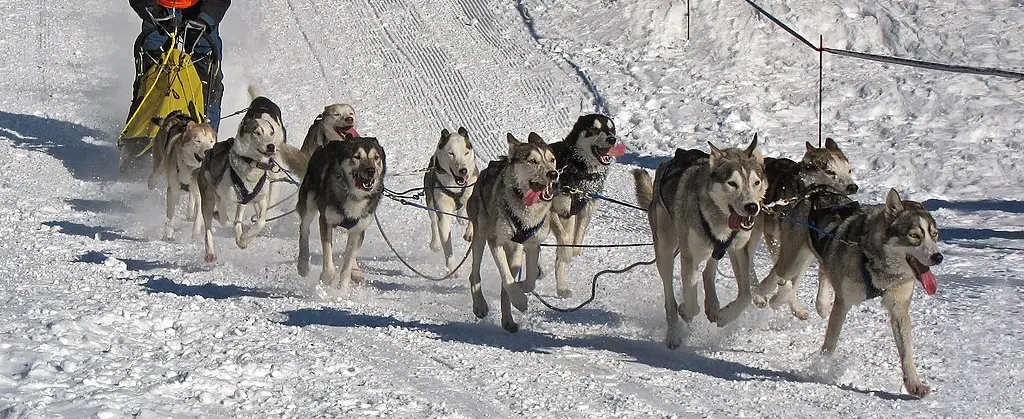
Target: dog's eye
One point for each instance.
(830, 172)
(757, 183)
(533, 161)
(915, 236)
(452, 154)
(551, 160)
(733, 184)
(376, 157)
(935, 234)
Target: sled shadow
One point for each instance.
(93, 232)
(161, 285)
(81, 149)
(484, 334)
(139, 265)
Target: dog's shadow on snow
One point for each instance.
(93, 232)
(649, 353)
(81, 149)
(161, 285)
(140, 265)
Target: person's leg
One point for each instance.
(208, 53)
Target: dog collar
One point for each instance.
(520, 234)
(244, 195)
(720, 247)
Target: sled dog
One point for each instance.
(448, 184)
(508, 211)
(332, 124)
(705, 206)
(583, 159)
(237, 172)
(788, 182)
(343, 183)
(178, 151)
(864, 252)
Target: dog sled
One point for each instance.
(182, 78)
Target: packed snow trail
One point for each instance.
(102, 319)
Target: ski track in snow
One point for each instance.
(102, 319)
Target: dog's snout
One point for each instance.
(751, 208)
(349, 120)
(370, 171)
(552, 175)
(463, 171)
(936, 258)
(612, 140)
(270, 148)
(852, 188)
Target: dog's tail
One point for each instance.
(644, 187)
(254, 92)
(295, 160)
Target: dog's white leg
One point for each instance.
(462, 211)
(207, 221)
(823, 302)
(507, 322)
(562, 228)
(305, 219)
(897, 301)
(435, 235)
(664, 257)
(582, 223)
(792, 263)
(355, 239)
(532, 253)
(173, 196)
(508, 280)
(260, 205)
(327, 274)
(195, 209)
(468, 235)
(444, 231)
(475, 289)
(689, 308)
(239, 218)
(740, 260)
(798, 309)
(711, 303)
(514, 255)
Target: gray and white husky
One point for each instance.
(343, 183)
(864, 252)
(178, 151)
(583, 159)
(449, 182)
(508, 211)
(237, 172)
(704, 206)
(788, 183)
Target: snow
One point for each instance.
(100, 318)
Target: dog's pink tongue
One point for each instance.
(531, 197)
(352, 130)
(734, 221)
(928, 282)
(618, 150)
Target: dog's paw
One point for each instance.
(783, 296)
(516, 296)
(688, 313)
(358, 276)
(327, 277)
(242, 243)
(916, 389)
(468, 236)
(509, 325)
(435, 246)
(210, 257)
(674, 337)
(480, 308)
(711, 313)
(799, 311)
(823, 308)
(576, 251)
(303, 267)
(563, 292)
(760, 301)
(168, 234)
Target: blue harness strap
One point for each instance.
(244, 195)
(520, 233)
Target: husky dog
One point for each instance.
(448, 185)
(704, 206)
(864, 252)
(237, 171)
(343, 183)
(178, 151)
(583, 159)
(332, 124)
(789, 182)
(509, 212)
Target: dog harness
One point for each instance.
(821, 239)
(872, 291)
(520, 233)
(455, 196)
(720, 247)
(246, 196)
(582, 183)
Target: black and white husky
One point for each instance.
(237, 172)
(343, 183)
(583, 159)
(448, 184)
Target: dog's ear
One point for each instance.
(445, 135)
(535, 139)
(463, 132)
(831, 145)
(893, 203)
(752, 148)
(716, 153)
(512, 141)
(809, 147)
